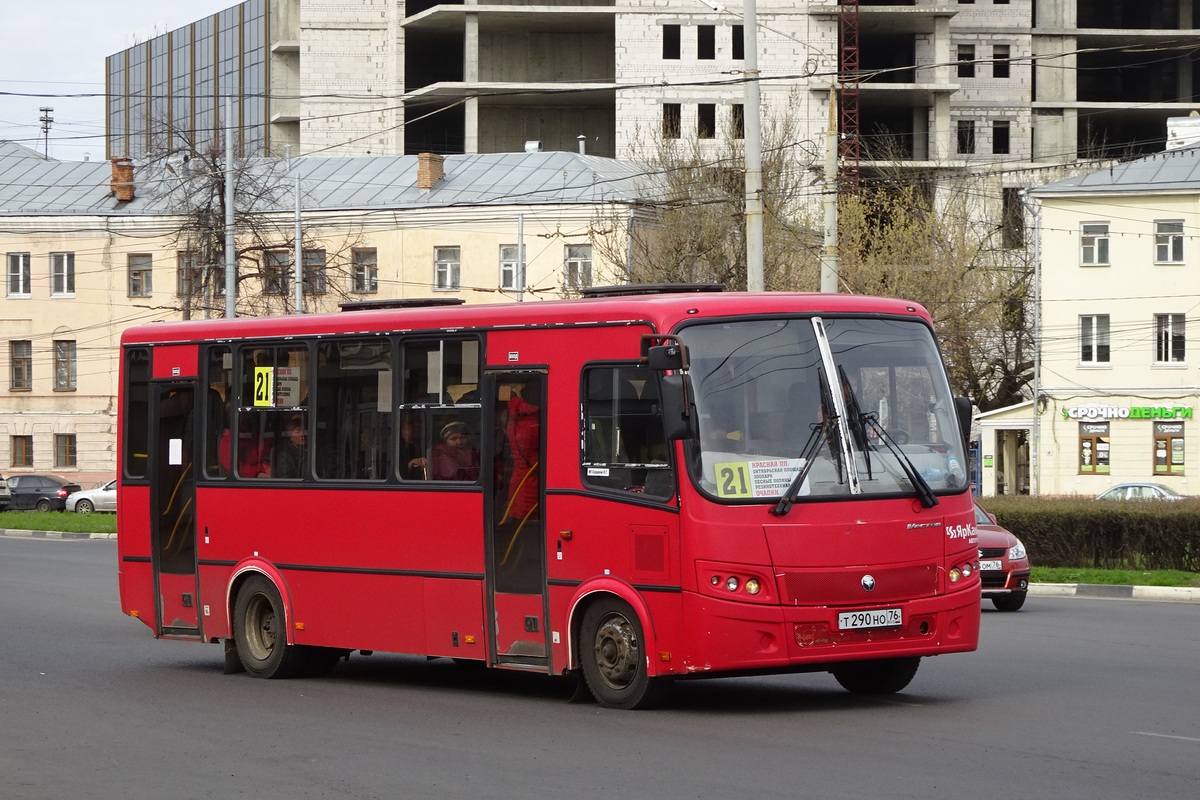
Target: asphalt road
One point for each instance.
(1068, 698)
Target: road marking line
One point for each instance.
(1166, 736)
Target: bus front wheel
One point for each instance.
(887, 676)
(259, 630)
(613, 654)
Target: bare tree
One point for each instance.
(191, 182)
(694, 231)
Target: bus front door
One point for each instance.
(516, 534)
(173, 501)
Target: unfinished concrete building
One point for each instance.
(938, 83)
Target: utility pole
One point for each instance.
(829, 254)
(47, 119)
(753, 139)
(230, 239)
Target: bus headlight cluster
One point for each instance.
(962, 572)
(750, 586)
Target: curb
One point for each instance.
(24, 534)
(1181, 594)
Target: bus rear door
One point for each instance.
(173, 508)
(516, 538)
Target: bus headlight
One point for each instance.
(753, 586)
(732, 583)
(955, 574)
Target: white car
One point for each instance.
(103, 498)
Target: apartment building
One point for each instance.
(1117, 386)
(941, 83)
(91, 248)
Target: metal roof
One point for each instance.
(31, 185)
(1169, 171)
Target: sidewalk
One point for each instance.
(24, 534)
(1181, 594)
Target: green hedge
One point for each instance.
(1103, 534)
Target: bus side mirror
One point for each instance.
(677, 412)
(962, 407)
(665, 357)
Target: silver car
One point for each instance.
(103, 498)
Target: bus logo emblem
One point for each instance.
(868, 583)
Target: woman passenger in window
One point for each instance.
(454, 459)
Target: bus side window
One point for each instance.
(353, 408)
(624, 444)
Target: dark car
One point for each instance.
(1003, 563)
(41, 492)
(1140, 491)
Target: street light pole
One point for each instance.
(753, 144)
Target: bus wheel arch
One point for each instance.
(613, 653)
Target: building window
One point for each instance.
(62, 274)
(1093, 339)
(1001, 65)
(706, 121)
(671, 49)
(20, 356)
(966, 136)
(276, 265)
(64, 365)
(141, 274)
(187, 273)
(738, 43)
(366, 271)
(18, 275)
(1093, 448)
(706, 42)
(1000, 139)
(737, 120)
(446, 266)
(1168, 242)
(22, 451)
(510, 266)
(1012, 222)
(578, 269)
(1093, 244)
(1169, 338)
(672, 120)
(1168, 448)
(966, 61)
(64, 450)
(314, 272)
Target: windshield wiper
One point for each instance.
(920, 485)
(820, 432)
(856, 418)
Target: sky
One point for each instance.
(52, 54)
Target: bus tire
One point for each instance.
(1009, 602)
(260, 631)
(612, 650)
(886, 676)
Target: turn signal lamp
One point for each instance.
(753, 586)
(955, 575)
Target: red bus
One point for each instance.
(633, 488)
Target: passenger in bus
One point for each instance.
(254, 449)
(291, 455)
(412, 451)
(524, 441)
(453, 458)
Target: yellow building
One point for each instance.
(91, 248)
(1117, 386)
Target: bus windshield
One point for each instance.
(842, 405)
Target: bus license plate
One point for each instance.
(875, 618)
(990, 566)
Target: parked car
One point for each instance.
(1140, 491)
(41, 492)
(5, 494)
(102, 498)
(1003, 563)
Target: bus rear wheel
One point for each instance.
(259, 629)
(877, 677)
(613, 654)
